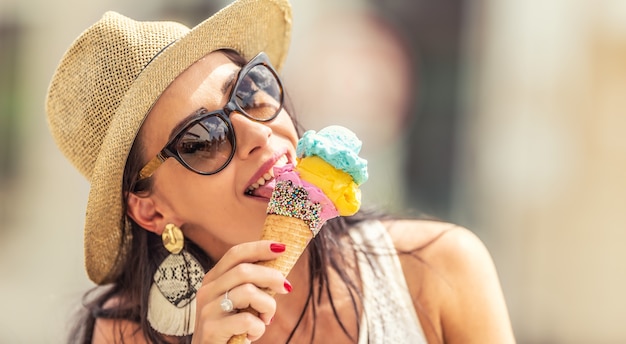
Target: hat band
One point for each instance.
(158, 53)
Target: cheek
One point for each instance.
(283, 125)
(213, 215)
(193, 199)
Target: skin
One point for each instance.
(455, 283)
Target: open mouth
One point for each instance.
(264, 186)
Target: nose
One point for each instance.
(251, 135)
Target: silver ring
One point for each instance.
(226, 304)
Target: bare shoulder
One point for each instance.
(442, 244)
(410, 235)
(116, 330)
(453, 281)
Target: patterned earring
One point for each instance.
(172, 299)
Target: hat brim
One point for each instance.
(247, 26)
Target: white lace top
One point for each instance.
(389, 315)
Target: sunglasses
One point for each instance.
(206, 143)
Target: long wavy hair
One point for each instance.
(327, 252)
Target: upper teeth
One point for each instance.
(268, 175)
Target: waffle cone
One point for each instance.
(292, 232)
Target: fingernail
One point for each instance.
(287, 286)
(277, 248)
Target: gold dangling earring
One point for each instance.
(172, 299)
(173, 239)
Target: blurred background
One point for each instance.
(507, 117)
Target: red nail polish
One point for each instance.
(277, 248)
(287, 286)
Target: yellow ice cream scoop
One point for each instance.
(336, 184)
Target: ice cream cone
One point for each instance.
(292, 232)
(239, 339)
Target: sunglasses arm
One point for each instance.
(151, 166)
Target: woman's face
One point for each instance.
(215, 211)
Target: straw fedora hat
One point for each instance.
(108, 81)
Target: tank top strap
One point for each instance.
(388, 312)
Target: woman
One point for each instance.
(174, 129)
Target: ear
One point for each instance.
(145, 213)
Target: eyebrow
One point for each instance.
(228, 83)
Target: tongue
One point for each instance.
(265, 191)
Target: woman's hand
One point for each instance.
(244, 281)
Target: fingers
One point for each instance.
(261, 276)
(249, 296)
(240, 323)
(232, 325)
(247, 285)
(250, 252)
(247, 323)
(237, 267)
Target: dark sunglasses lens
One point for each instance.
(259, 93)
(207, 145)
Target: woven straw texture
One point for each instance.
(292, 232)
(109, 79)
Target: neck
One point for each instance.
(320, 317)
(289, 307)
